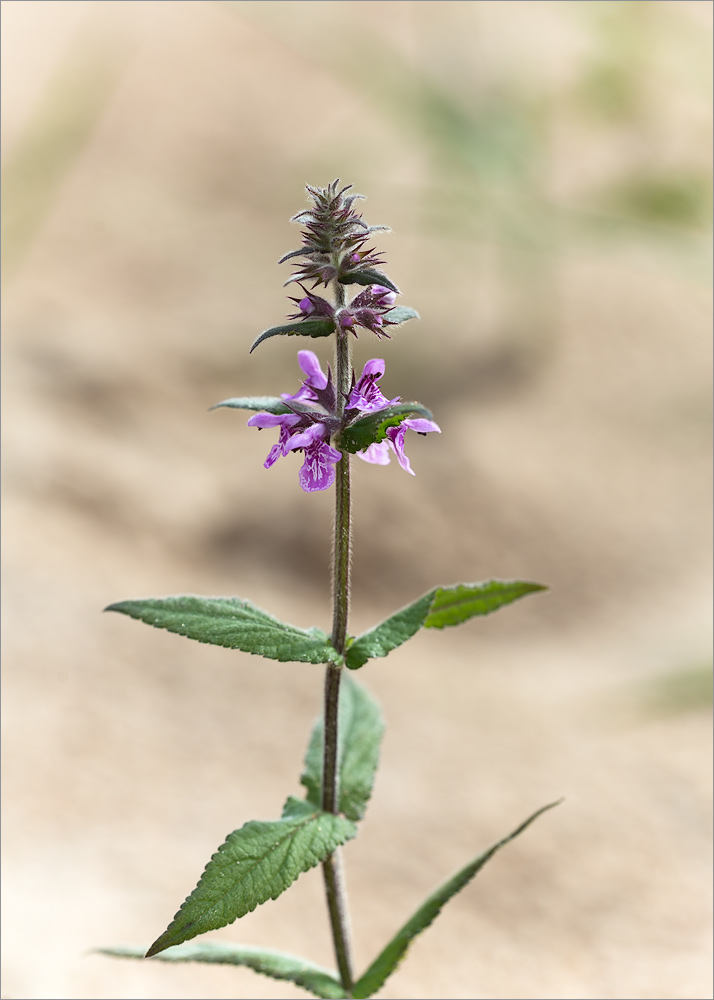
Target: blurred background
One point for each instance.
(546, 170)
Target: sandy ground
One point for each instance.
(574, 404)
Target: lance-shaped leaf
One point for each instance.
(439, 608)
(234, 623)
(321, 327)
(256, 863)
(360, 728)
(266, 404)
(400, 314)
(456, 604)
(382, 967)
(373, 427)
(276, 964)
(368, 276)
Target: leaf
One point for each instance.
(454, 605)
(256, 863)
(322, 327)
(383, 966)
(360, 729)
(400, 314)
(390, 633)
(276, 964)
(267, 404)
(233, 623)
(441, 607)
(373, 427)
(368, 277)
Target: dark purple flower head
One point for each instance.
(369, 309)
(311, 305)
(333, 238)
(313, 421)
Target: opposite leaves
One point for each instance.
(256, 863)
(234, 623)
(441, 607)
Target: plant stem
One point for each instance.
(332, 866)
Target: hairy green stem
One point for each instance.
(332, 866)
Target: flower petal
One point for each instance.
(310, 364)
(377, 453)
(304, 439)
(317, 472)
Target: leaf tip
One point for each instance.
(156, 947)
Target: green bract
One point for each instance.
(372, 428)
(302, 328)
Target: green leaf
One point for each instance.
(441, 607)
(390, 633)
(276, 964)
(383, 966)
(267, 404)
(234, 623)
(373, 427)
(321, 327)
(256, 863)
(454, 605)
(400, 314)
(368, 277)
(360, 729)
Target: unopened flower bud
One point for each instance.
(384, 296)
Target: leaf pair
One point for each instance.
(314, 978)
(239, 624)
(324, 326)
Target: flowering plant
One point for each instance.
(329, 419)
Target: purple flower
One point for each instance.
(368, 309)
(313, 420)
(315, 382)
(311, 305)
(378, 453)
(366, 394)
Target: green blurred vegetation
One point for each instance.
(52, 143)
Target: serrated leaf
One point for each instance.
(439, 608)
(390, 633)
(276, 964)
(256, 863)
(454, 605)
(359, 733)
(383, 966)
(400, 314)
(233, 623)
(368, 276)
(321, 327)
(373, 427)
